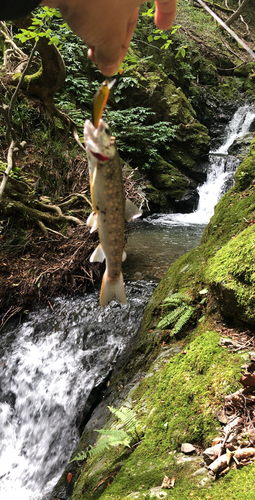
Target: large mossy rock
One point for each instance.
(192, 140)
(231, 277)
(174, 178)
(171, 190)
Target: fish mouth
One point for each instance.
(99, 156)
(99, 142)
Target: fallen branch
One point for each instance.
(8, 168)
(229, 30)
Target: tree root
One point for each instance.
(14, 207)
(19, 200)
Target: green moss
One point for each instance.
(183, 388)
(244, 69)
(179, 108)
(175, 403)
(176, 185)
(232, 270)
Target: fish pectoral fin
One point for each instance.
(92, 221)
(98, 255)
(131, 211)
(124, 256)
(112, 290)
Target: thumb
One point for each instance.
(165, 13)
(110, 55)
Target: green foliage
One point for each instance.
(123, 84)
(127, 417)
(40, 27)
(114, 437)
(164, 37)
(136, 135)
(181, 312)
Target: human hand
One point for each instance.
(108, 26)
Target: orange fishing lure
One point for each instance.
(100, 101)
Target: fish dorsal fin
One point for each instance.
(98, 254)
(92, 221)
(131, 211)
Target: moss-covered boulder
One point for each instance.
(192, 140)
(231, 276)
(170, 189)
(174, 402)
(242, 144)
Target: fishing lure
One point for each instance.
(100, 100)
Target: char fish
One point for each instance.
(110, 208)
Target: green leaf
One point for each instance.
(55, 40)
(116, 437)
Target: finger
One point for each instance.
(110, 56)
(165, 13)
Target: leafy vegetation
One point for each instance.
(114, 437)
(41, 27)
(135, 136)
(181, 312)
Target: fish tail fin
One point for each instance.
(112, 290)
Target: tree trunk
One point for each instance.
(50, 77)
(237, 13)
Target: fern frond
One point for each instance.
(184, 318)
(126, 416)
(183, 297)
(99, 448)
(114, 437)
(172, 302)
(171, 317)
(81, 456)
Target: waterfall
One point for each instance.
(49, 365)
(220, 173)
(52, 360)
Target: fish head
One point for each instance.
(99, 142)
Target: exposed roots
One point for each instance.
(20, 201)
(46, 268)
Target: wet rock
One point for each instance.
(187, 448)
(9, 398)
(157, 491)
(189, 201)
(182, 459)
(241, 144)
(204, 481)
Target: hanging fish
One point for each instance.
(100, 100)
(109, 208)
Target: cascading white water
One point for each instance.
(48, 366)
(222, 166)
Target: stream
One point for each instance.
(52, 360)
